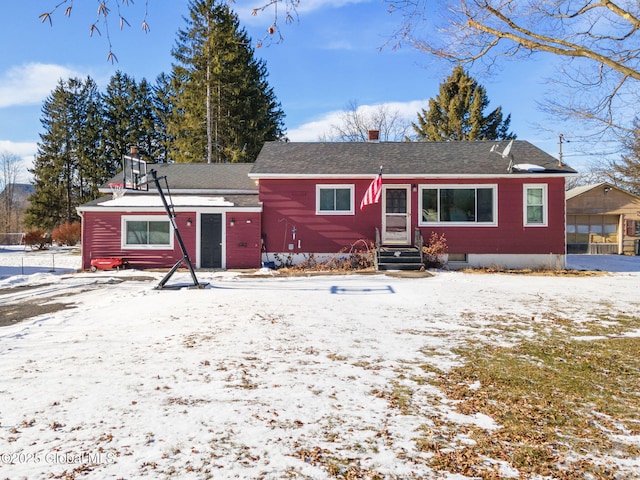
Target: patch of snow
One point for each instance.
(475, 385)
(478, 419)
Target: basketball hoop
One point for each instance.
(117, 190)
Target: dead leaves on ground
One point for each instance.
(558, 402)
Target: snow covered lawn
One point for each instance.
(298, 377)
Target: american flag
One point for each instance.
(372, 195)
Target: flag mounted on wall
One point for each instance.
(374, 191)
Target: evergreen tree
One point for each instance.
(146, 122)
(67, 168)
(457, 113)
(628, 169)
(163, 110)
(129, 119)
(224, 107)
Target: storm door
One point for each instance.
(396, 216)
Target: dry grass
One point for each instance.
(561, 403)
(536, 272)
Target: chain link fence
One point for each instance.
(11, 238)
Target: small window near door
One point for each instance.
(334, 199)
(535, 205)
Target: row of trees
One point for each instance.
(214, 106)
(87, 132)
(593, 46)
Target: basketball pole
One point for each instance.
(185, 256)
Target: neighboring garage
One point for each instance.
(603, 219)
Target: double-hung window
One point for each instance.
(334, 199)
(535, 205)
(458, 204)
(144, 232)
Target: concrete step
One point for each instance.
(399, 258)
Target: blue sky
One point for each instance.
(330, 56)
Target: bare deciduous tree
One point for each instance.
(597, 39)
(113, 12)
(355, 122)
(102, 22)
(10, 168)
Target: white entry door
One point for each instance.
(396, 215)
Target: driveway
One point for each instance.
(605, 263)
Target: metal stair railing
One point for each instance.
(376, 260)
(418, 242)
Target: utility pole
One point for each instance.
(560, 140)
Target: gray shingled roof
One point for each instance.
(182, 177)
(397, 158)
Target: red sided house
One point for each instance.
(496, 204)
(217, 213)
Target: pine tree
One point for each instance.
(145, 119)
(628, 169)
(67, 169)
(457, 113)
(129, 119)
(163, 109)
(224, 107)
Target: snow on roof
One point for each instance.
(156, 201)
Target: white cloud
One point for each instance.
(245, 12)
(22, 149)
(311, 131)
(31, 83)
(311, 5)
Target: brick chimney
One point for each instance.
(374, 135)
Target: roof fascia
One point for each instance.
(190, 191)
(306, 176)
(185, 208)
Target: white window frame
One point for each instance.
(341, 186)
(545, 204)
(438, 187)
(145, 218)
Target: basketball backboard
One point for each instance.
(134, 173)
